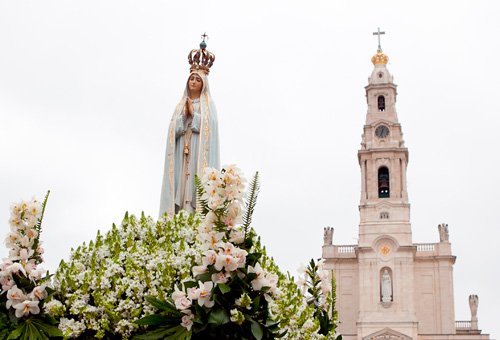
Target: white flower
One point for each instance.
(16, 209)
(54, 308)
(25, 242)
(38, 293)
(6, 282)
(210, 175)
(11, 239)
(26, 307)
(16, 223)
(192, 293)
(229, 262)
(260, 281)
(237, 236)
(187, 320)
(204, 293)
(14, 296)
(180, 299)
(236, 316)
(210, 240)
(220, 277)
(71, 328)
(31, 233)
(208, 221)
(273, 283)
(36, 274)
(241, 256)
(16, 268)
(209, 258)
(198, 270)
(34, 208)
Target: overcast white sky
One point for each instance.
(87, 89)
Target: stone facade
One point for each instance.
(387, 286)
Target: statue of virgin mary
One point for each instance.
(193, 138)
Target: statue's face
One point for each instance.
(195, 83)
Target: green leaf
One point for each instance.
(218, 317)
(162, 305)
(253, 258)
(256, 329)
(153, 320)
(172, 333)
(204, 277)
(224, 288)
(16, 333)
(256, 302)
(45, 328)
(251, 201)
(33, 332)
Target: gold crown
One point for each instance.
(380, 58)
(201, 59)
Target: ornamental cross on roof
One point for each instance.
(379, 49)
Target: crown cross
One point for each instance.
(201, 59)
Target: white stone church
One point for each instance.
(387, 286)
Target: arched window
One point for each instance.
(381, 103)
(383, 182)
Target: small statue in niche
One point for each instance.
(386, 286)
(328, 236)
(444, 236)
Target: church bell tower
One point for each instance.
(387, 286)
(383, 158)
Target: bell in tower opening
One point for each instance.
(383, 182)
(381, 103)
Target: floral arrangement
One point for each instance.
(228, 294)
(203, 276)
(24, 286)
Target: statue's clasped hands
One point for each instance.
(189, 111)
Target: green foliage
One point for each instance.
(34, 328)
(251, 201)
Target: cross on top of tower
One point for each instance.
(378, 33)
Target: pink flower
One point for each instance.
(6, 282)
(180, 299)
(187, 320)
(220, 277)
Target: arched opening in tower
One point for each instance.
(383, 182)
(381, 103)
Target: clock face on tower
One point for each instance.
(382, 131)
